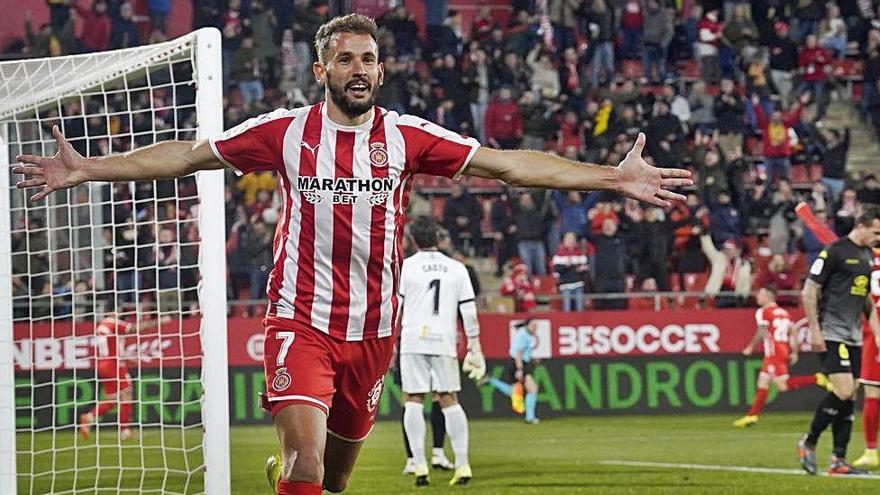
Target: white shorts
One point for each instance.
(422, 373)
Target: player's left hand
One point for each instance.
(474, 364)
(793, 358)
(638, 180)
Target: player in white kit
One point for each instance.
(434, 289)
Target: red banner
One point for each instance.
(629, 333)
(176, 343)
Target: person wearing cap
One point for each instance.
(519, 287)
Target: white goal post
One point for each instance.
(149, 253)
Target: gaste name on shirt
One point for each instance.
(435, 267)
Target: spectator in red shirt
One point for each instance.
(632, 21)
(483, 25)
(96, 27)
(777, 275)
(774, 133)
(519, 287)
(599, 213)
(814, 62)
(570, 132)
(709, 31)
(503, 122)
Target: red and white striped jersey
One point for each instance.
(775, 322)
(345, 190)
(108, 337)
(875, 279)
(874, 294)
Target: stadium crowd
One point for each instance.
(737, 91)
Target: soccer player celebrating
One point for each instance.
(780, 349)
(835, 297)
(346, 167)
(111, 366)
(112, 371)
(434, 289)
(519, 372)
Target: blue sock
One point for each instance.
(503, 387)
(531, 404)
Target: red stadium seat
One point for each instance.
(693, 282)
(690, 70)
(847, 68)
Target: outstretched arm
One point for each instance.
(67, 168)
(633, 177)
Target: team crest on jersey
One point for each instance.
(374, 394)
(282, 380)
(378, 155)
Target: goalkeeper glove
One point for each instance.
(474, 365)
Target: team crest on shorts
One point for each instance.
(282, 380)
(378, 155)
(374, 394)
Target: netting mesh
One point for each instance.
(128, 251)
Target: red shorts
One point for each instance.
(775, 366)
(870, 374)
(343, 379)
(113, 377)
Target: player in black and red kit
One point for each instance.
(836, 299)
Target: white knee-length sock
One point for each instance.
(414, 424)
(457, 429)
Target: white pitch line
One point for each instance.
(716, 467)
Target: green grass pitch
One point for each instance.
(559, 456)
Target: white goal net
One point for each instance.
(113, 374)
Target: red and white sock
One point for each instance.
(796, 382)
(298, 488)
(870, 418)
(758, 401)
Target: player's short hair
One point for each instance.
(771, 288)
(524, 323)
(424, 231)
(351, 23)
(870, 212)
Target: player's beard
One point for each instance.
(349, 106)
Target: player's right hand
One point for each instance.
(518, 375)
(61, 171)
